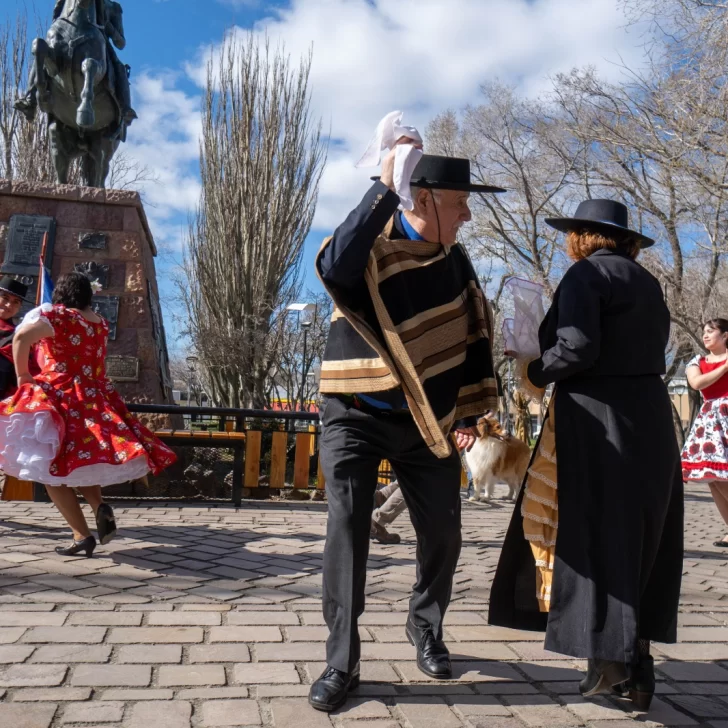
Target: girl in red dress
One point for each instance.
(705, 455)
(67, 427)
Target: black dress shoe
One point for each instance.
(88, 545)
(602, 676)
(105, 523)
(330, 691)
(433, 658)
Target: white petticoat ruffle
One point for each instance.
(31, 444)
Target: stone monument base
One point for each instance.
(104, 233)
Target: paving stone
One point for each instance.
(701, 706)
(97, 676)
(540, 711)
(54, 695)
(8, 635)
(72, 653)
(363, 708)
(161, 714)
(220, 653)
(26, 716)
(19, 676)
(551, 671)
(246, 634)
(184, 619)
(243, 619)
(596, 708)
(132, 695)
(693, 671)
(187, 675)
(150, 654)
(212, 693)
(265, 673)
(663, 714)
(428, 713)
(230, 713)
(479, 706)
(351, 723)
(65, 635)
(156, 635)
(93, 712)
(291, 651)
(15, 653)
(297, 713)
(33, 619)
(106, 619)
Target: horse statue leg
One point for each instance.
(60, 151)
(85, 116)
(45, 67)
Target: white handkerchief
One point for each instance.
(389, 130)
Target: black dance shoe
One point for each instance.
(602, 676)
(88, 545)
(105, 523)
(330, 691)
(433, 658)
(640, 688)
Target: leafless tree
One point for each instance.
(13, 71)
(261, 160)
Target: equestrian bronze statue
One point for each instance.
(78, 80)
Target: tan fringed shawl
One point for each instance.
(426, 328)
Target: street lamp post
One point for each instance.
(305, 321)
(191, 365)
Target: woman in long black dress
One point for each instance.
(598, 563)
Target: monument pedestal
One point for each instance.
(105, 234)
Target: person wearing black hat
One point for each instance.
(597, 562)
(407, 367)
(12, 294)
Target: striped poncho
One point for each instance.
(425, 327)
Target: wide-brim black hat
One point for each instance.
(446, 173)
(13, 287)
(606, 216)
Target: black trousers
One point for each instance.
(353, 445)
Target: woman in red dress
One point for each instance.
(67, 427)
(705, 455)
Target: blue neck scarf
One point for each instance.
(410, 232)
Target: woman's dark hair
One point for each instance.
(73, 291)
(718, 323)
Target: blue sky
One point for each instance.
(370, 57)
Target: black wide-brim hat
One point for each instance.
(604, 216)
(13, 287)
(446, 173)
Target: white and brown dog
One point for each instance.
(496, 458)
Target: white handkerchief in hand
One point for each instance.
(390, 130)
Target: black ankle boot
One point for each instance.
(105, 523)
(88, 545)
(330, 691)
(641, 686)
(602, 676)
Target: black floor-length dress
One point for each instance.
(619, 546)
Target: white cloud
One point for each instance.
(165, 138)
(423, 56)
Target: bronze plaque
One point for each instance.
(93, 241)
(122, 368)
(25, 243)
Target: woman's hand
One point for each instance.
(25, 379)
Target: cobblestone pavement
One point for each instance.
(208, 616)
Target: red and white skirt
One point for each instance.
(705, 455)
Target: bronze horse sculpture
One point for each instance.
(75, 76)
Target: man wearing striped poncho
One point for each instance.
(408, 369)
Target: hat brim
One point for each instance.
(567, 224)
(428, 184)
(14, 295)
